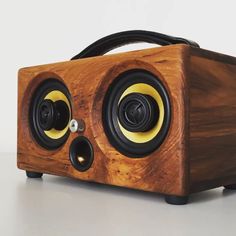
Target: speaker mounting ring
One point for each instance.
(116, 134)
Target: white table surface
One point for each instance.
(62, 206)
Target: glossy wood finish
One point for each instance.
(199, 151)
(87, 80)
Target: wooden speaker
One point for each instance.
(160, 120)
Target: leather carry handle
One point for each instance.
(110, 42)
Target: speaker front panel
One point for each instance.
(132, 108)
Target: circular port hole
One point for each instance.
(81, 153)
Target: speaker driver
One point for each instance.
(136, 113)
(50, 114)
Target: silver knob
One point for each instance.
(77, 126)
(73, 125)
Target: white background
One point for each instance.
(46, 31)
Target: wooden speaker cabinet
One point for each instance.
(160, 120)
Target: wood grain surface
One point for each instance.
(212, 144)
(199, 151)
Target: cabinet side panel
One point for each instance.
(212, 120)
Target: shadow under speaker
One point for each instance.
(160, 120)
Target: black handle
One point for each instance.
(110, 42)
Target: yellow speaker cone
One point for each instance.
(54, 96)
(143, 137)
